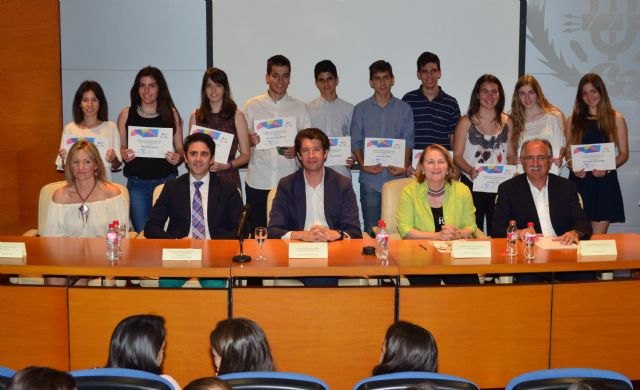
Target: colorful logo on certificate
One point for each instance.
(214, 134)
(270, 124)
(73, 140)
(380, 143)
(145, 133)
(587, 149)
(333, 141)
(492, 168)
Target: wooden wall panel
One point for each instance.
(30, 107)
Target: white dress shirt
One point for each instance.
(541, 200)
(204, 191)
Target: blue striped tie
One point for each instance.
(197, 215)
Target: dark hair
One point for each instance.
(208, 383)
(451, 170)
(311, 133)
(242, 346)
(93, 86)
(408, 347)
(199, 137)
(278, 60)
(41, 378)
(378, 67)
(541, 140)
(229, 107)
(137, 342)
(325, 66)
(94, 156)
(164, 104)
(606, 114)
(474, 104)
(426, 58)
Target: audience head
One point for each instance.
(151, 87)
(138, 343)
(41, 378)
(209, 383)
(83, 154)
(212, 80)
(240, 345)
(487, 84)
(431, 156)
(407, 347)
(90, 92)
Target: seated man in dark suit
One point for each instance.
(314, 203)
(197, 204)
(549, 201)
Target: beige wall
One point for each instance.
(30, 107)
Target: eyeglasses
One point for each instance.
(536, 158)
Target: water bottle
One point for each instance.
(382, 241)
(113, 250)
(512, 239)
(530, 242)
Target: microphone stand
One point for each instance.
(241, 258)
(242, 226)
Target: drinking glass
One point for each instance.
(260, 235)
(122, 231)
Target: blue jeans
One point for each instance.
(371, 202)
(140, 195)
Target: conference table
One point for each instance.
(486, 333)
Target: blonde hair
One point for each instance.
(451, 170)
(94, 156)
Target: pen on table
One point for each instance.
(423, 247)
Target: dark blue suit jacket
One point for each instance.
(516, 202)
(289, 207)
(224, 206)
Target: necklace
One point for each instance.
(84, 209)
(435, 193)
(144, 114)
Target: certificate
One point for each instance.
(415, 158)
(593, 156)
(384, 151)
(339, 151)
(100, 142)
(152, 142)
(222, 140)
(490, 176)
(275, 132)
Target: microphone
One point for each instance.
(242, 226)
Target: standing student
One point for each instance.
(328, 112)
(593, 121)
(219, 112)
(482, 137)
(268, 166)
(151, 106)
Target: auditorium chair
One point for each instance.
(562, 378)
(391, 192)
(5, 376)
(272, 381)
(119, 379)
(402, 380)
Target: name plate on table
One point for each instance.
(175, 254)
(470, 249)
(12, 253)
(308, 250)
(597, 248)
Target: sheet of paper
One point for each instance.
(384, 151)
(181, 254)
(415, 158)
(152, 142)
(550, 244)
(597, 248)
(101, 143)
(461, 249)
(593, 156)
(491, 176)
(339, 151)
(441, 246)
(308, 250)
(222, 140)
(275, 132)
(13, 250)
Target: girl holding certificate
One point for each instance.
(594, 121)
(219, 112)
(91, 121)
(482, 137)
(534, 116)
(152, 113)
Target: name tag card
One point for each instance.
(13, 250)
(597, 248)
(470, 249)
(174, 254)
(308, 250)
